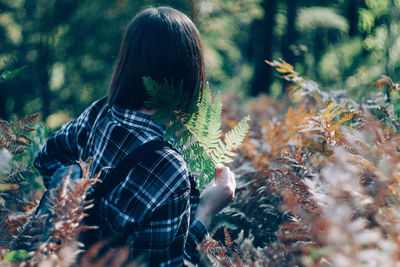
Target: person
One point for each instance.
(158, 199)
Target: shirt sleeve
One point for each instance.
(197, 230)
(64, 147)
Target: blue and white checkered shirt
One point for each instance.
(158, 198)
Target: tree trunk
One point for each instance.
(352, 16)
(262, 39)
(45, 54)
(194, 6)
(290, 37)
(44, 78)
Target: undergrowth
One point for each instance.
(317, 185)
(320, 185)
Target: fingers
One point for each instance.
(219, 173)
(224, 174)
(219, 192)
(228, 181)
(232, 183)
(226, 178)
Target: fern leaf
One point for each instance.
(176, 126)
(224, 152)
(198, 131)
(182, 139)
(235, 137)
(206, 125)
(214, 133)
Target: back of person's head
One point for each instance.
(162, 43)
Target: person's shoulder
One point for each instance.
(168, 166)
(98, 104)
(92, 111)
(173, 158)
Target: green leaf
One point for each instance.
(176, 126)
(8, 75)
(314, 253)
(235, 137)
(8, 187)
(16, 255)
(198, 131)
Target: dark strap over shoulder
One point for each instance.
(119, 173)
(111, 180)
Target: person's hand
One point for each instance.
(216, 195)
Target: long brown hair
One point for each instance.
(162, 43)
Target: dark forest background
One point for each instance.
(69, 47)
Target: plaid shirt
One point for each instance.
(157, 199)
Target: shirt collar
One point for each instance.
(138, 120)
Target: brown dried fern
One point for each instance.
(245, 253)
(13, 135)
(69, 204)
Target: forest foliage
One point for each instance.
(317, 175)
(317, 183)
(70, 47)
(322, 186)
(194, 123)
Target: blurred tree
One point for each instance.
(225, 27)
(352, 15)
(261, 37)
(194, 7)
(290, 36)
(69, 47)
(320, 26)
(289, 48)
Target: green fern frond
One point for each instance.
(181, 140)
(235, 136)
(166, 104)
(199, 131)
(174, 127)
(206, 124)
(224, 152)
(152, 88)
(215, 121)
(198, 122)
